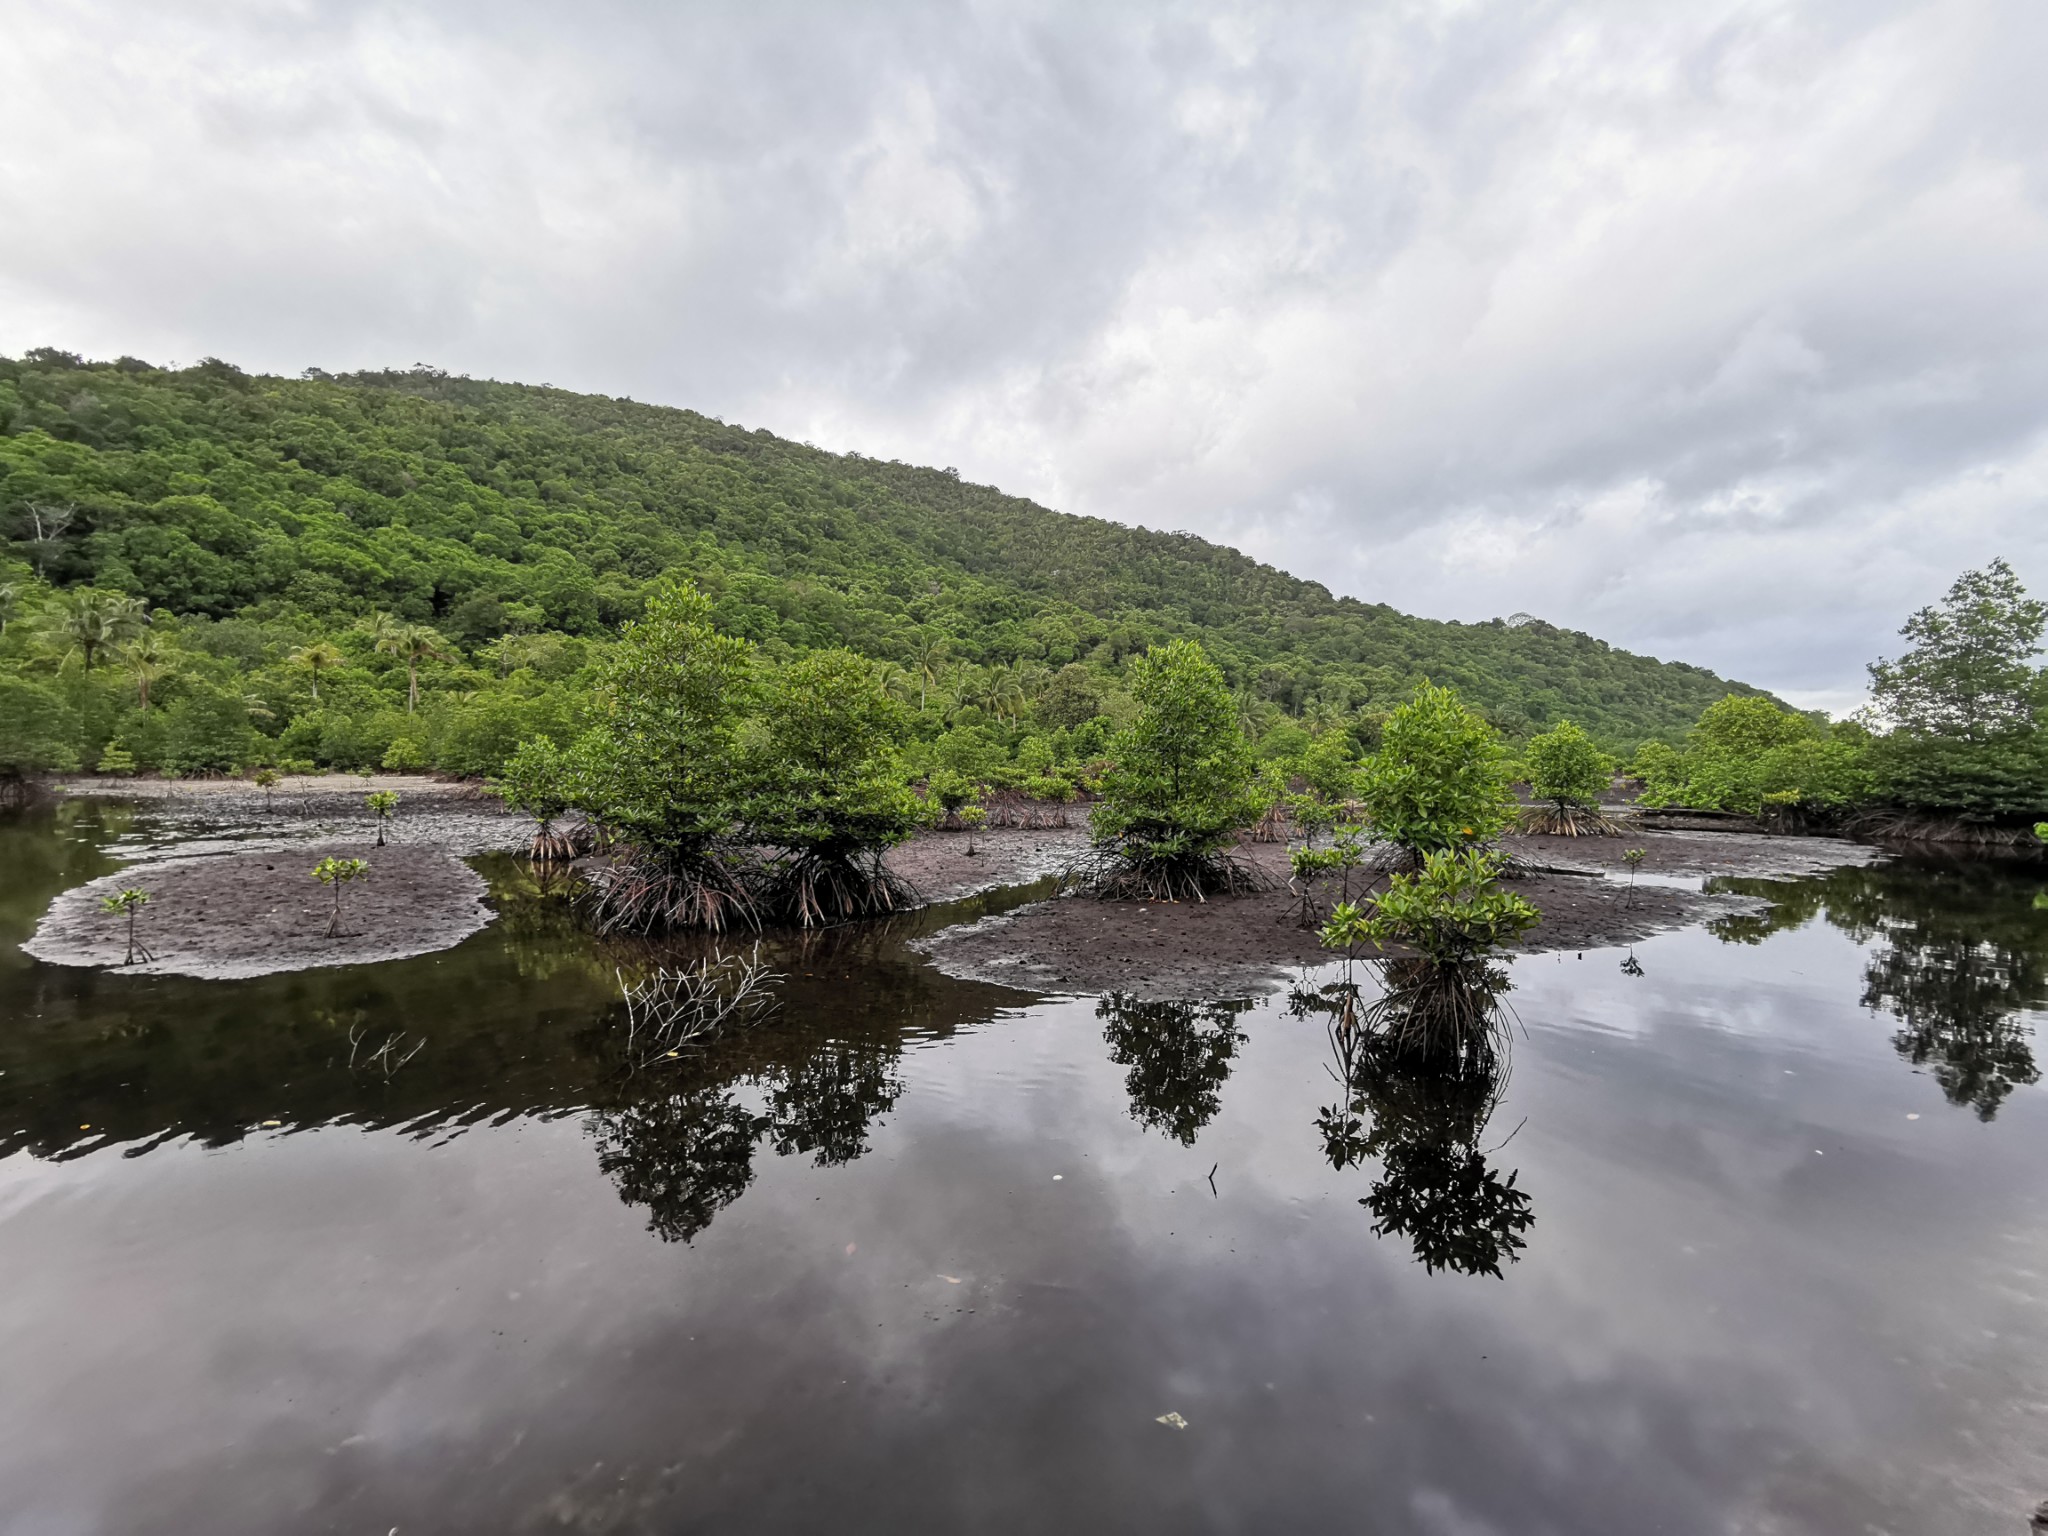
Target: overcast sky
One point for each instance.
(1716, 329)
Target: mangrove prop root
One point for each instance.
(1132, 874)
(1570, 821)
(647, 893)
(817, 890)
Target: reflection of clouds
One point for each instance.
(1714, 325)
(1696, 1344)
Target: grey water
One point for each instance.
(1744, 1232)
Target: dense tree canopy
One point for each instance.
(515, 527)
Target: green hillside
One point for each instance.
(266, 511)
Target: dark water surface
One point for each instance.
(1768, 1205)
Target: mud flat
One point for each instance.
(228, 813)
(233, 915)
(939, 867)
(1245, 945)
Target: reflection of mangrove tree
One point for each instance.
(683, 1144)
(1422, 1069)
(517, 1019)
(1961, 959)
(1179, 1055)
(684, 1155)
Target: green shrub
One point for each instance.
(1183, 779)
(1565, 768)
(1438, 782)
(208, 731)
(826, 788)
(1050, 787)
(1329, 767)
(1449, 911)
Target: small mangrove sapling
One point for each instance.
(383, 804)
(538, 780)
(1450, 911)
(1633, 858)
(334, 874)
(266, 780)
(129, 901)
(972, 817)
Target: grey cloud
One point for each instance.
(1713, 329)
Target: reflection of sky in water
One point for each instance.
(1756, 1296)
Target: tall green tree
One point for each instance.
(1963, 703)
(827, 788)
(663, 765)
(1183, 782)
(412, 644)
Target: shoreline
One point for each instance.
(233, 897)
(1249, 945)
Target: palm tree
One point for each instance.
(927, 664)
(379, 626)
(980, 689)
(148, 661)
(894, 680)
(413, 644)
(1006, 694)
(90, 622)
(1249, 718)
(1323, 714)
(320, 656)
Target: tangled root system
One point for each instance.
(554, 844)
(1133, 872)
(651, 892)
(816, 890)
(1441, 1010)
(1570, 821)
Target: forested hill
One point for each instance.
(481, 507)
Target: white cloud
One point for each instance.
(1714, 329)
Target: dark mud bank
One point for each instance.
(1246, 945)
(228, 916)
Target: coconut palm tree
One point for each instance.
(1006, 693)
(894, 680)
(148, 661)
(320, 656)
(91, 622)
(379, 625)
(413, 644)
(513, 651)
(927, 664)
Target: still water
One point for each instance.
(1750, 1236)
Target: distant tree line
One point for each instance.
(202, 569)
